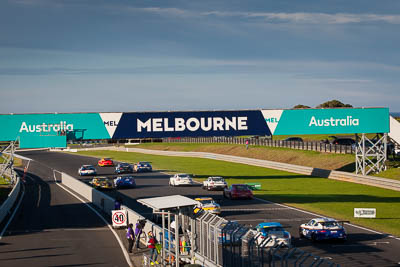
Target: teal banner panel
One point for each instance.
(36, 141)
(74, 125)
(327, 121)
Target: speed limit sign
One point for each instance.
(119, 218)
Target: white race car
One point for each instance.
(214, 183)
(87, 170)
(181, 179)
(323, 228)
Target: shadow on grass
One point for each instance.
(351, 167)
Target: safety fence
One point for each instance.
(314, 146)
(228, 243)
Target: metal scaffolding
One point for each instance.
(371, 155)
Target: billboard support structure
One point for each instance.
(371, 155)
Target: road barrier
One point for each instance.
(5, 208)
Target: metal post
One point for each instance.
(163, 237)
(176, 239)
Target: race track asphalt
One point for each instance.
(364, 247)
(53, 228)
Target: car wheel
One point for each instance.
(208, 188)
(314, 237)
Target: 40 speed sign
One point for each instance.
(119, 218)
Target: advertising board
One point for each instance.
(327, 121)
(53, 130)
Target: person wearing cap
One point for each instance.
(152, 246)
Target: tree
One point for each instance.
(301, 106)
(334, 104)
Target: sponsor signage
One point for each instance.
(327, 121)
(53, 130)
(364, 213)
(191, 124)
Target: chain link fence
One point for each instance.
(228, 243)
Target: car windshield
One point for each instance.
(218, 179)
(331, 224)
(207, 201)
(184, 176)
(87, 168)
(241, 187)
(143, 163)
(127, 179)
(272, 229)
(106, 159)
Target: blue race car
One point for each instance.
(272, 234)
(323, 229)
(125, 182)
(143, 166)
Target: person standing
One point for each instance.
(138, 231)
(117, 203)
(152, 246)
(130, 236)
(247, 144)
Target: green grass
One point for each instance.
(324, 196)
(3, 181)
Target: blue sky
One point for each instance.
(124, 55)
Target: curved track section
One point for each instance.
(364, 248)
(52, 228)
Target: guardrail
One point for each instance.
(12, 197)
(313, 146)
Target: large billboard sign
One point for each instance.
(327, 121)
(179, 124)
(53, 130)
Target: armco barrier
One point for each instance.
(9, 202)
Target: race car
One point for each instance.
(123, 168)
(322, 229)
(214, 183)
(87, 170)
(237, 191)
(207, 204)
(143, 166)
(272, 234)
(102, 183)
(106, 162)
(125, 182)
(181, 179)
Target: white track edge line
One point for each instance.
(126, 255)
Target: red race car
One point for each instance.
(106, 162)
(236, 191)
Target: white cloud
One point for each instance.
(310, 18)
